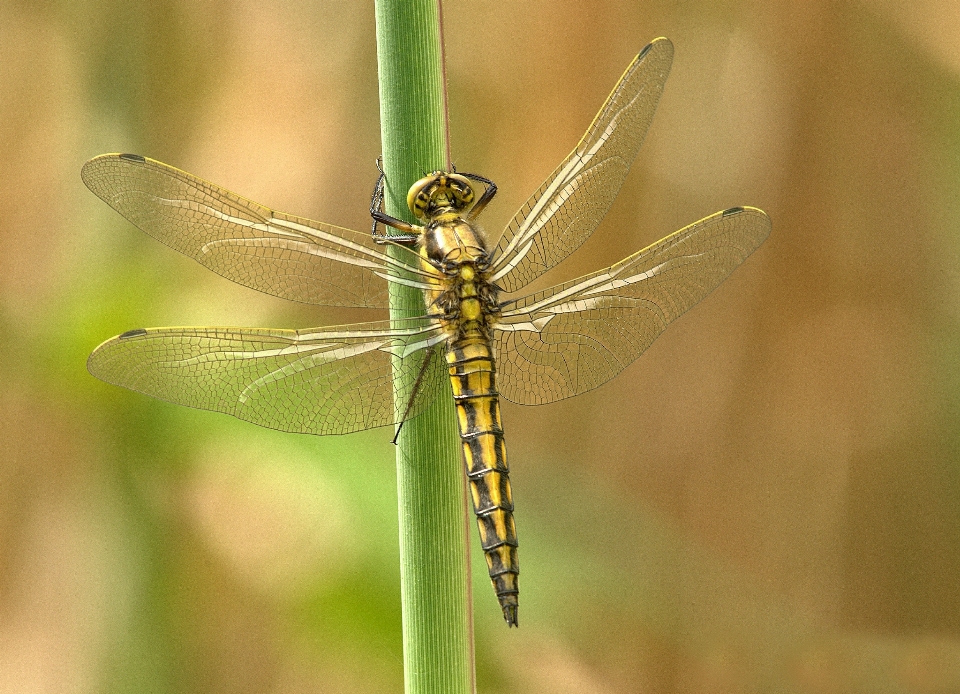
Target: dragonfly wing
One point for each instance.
(576, 336)
(248, 243)
(569, 205)
(331, 380)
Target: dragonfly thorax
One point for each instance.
(450, 243)
(440, 194)
(463, 296)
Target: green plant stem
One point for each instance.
(434, 578)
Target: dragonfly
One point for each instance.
(479, 339)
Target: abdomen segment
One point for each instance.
(472, 375)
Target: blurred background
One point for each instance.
(768, 500)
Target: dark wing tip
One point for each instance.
(659, 41)
(93, 168)
(760, 226)
(136, 332)
(752, 211)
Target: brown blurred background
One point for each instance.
(768, 500)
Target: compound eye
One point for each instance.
(422, 203)
(462, 190)
(463, 194)
(418, 198)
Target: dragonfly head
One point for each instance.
(439, 193)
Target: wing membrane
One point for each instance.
(331, 380)
(273, 252)
(569, 205)
(576, 336)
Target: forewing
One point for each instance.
(331, 380)
(248, 243)
(576, 336)
(569, 205)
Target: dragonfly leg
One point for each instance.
(411, 232)
(490, 189)
(428, 357)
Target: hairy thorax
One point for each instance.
(464, 300)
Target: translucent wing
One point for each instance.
(576, 336)
(569, 205)
(331, 380)
(270, 251)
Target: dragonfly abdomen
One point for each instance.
(472, 375)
